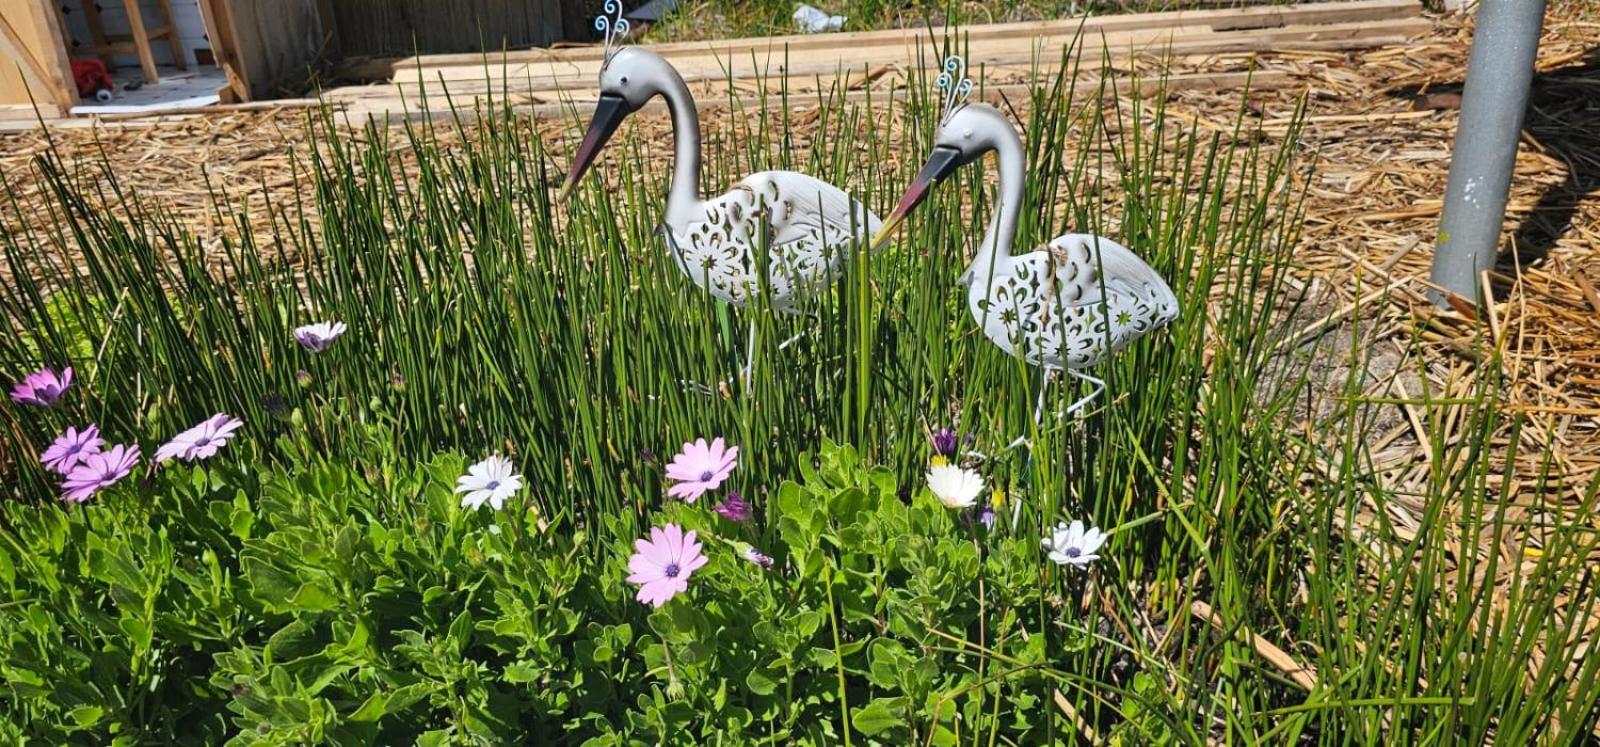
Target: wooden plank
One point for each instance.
(394, 110)
(1259, 17)
(218, 20)
(179, 59)
(1047, 52)
(97, 32)
(34, 67)
(141, 41)
(277, 41)
(389, 27)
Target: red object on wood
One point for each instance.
(91, 77)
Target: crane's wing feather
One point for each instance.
(802, 207)
(1082, 259)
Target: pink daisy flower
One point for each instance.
(663, 564)
(72, 448)
(42, 387)
(201, 441)
(701, 467)
(99, 471)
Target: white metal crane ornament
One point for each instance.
(1064, 307)
(808, 226)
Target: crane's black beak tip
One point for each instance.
(609, 112)
(942, 162)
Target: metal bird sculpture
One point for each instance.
(1066, 306)
(806, 225)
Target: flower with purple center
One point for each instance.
(318, 337)
(1074, 545)
(72, 448)
(42, 387)
(201, 441)
(755, 556)
(735, 508)
(663, 564)
(98, 472)
(491, 481)
(701, 467)
(946, 442)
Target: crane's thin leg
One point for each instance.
(749, 356)
(1038, 410)
(745, 369)
(1038, 406)
(1044, 386)
(1099, 387)
(802, 333)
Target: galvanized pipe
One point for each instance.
(1499, 74)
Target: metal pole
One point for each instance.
(1499, 73)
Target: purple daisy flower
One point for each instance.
(99, 471)
(701, 467)
(318, 337)
(72, 448)
(201, 441)
(42, 387)
(735, 508)
(946, 442)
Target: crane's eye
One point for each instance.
(624, 80)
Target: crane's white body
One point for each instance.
(807, 225)
(1071, 304)
(1068, 305)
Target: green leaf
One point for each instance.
(241, 519)
(8, 571)
(372, 709)
(313, 597)
(760, 682)
(887, 658)
(86, 716)
(138, 631)
(879, 716)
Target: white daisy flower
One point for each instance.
(955, 487)
(491, 481)
(1074, 545)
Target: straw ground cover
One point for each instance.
(318, 581)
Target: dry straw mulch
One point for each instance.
(1380, 127)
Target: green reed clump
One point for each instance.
(484, 317)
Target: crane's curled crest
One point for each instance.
(614, 27)
(954, 86)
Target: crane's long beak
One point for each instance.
(609, 112)
(942, 162)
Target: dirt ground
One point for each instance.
(1380, 128)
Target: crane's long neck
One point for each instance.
(1012, 163)
(684, 197)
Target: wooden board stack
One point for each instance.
(874, 64)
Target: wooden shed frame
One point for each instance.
(37, 70)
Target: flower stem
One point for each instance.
(838, 663)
